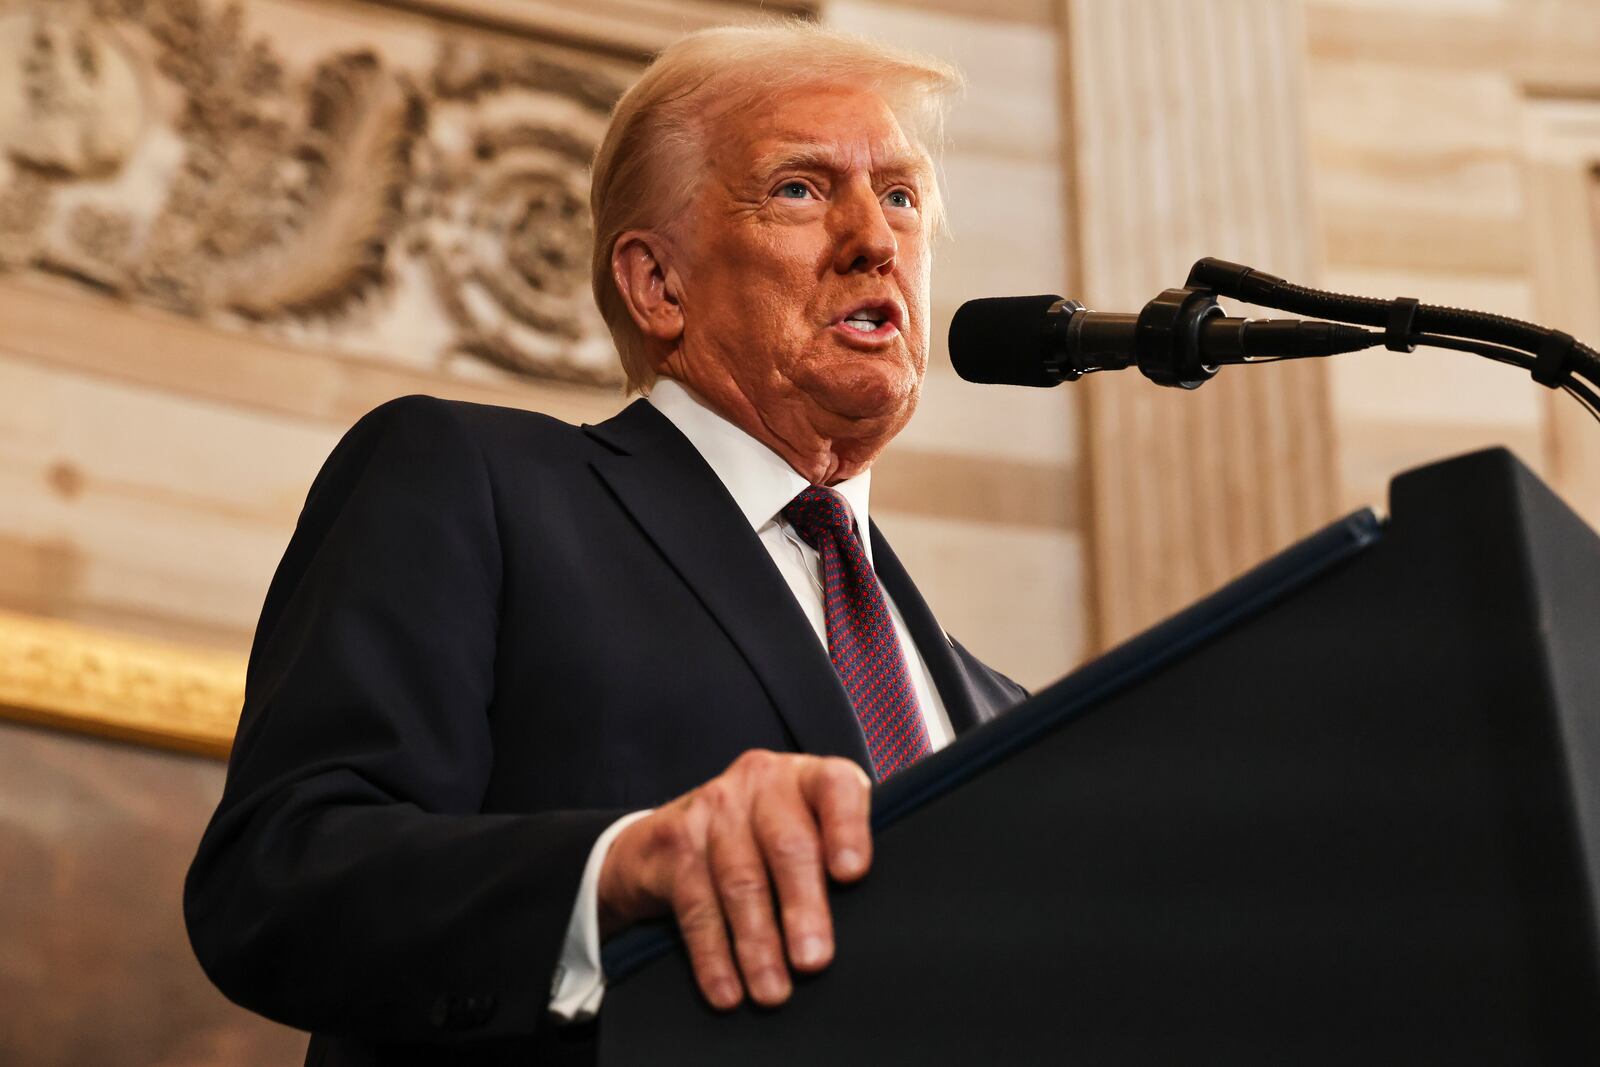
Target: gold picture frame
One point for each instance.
(73, 677)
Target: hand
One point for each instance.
(706, 858)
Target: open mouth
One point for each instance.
(874, 320)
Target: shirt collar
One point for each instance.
(760, 480)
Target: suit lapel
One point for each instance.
(955, 688)
(683, 508)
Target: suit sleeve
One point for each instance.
(349, 883)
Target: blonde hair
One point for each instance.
(649, 165)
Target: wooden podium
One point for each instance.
(1346, 810)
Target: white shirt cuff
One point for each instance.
(579, 983)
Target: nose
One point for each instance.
(864, 243)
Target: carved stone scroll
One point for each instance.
(421, 198)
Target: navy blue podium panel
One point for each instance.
(1345, 810)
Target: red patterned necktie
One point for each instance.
(861, 636)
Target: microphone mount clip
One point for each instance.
(1167, 337)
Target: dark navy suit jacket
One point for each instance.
(492, 634)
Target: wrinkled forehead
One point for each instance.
(826, 128)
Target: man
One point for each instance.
(518, 685)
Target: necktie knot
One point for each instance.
(818, 511)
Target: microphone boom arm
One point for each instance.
(1554, 359)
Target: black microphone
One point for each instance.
(1179, 339)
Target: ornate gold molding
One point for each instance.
(64, 675)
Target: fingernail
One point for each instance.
(769, 987)
(811, 951)
(848, 860)
(724, 993)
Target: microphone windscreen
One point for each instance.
(1002, 340)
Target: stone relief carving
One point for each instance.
(434, 212)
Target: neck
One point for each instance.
(820, 446)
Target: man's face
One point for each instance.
(806, 275)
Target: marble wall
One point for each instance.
(1451, 145)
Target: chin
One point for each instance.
(871, 388)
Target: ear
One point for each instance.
(642, 267)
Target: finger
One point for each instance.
(705, 935)
(786, 832)
(741, 882)
(841, 795)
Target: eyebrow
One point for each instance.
(816, 155)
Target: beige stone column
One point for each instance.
(1186, 141)
(1562, 171)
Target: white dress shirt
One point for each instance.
(761, 484)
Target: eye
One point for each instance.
(899, 198)
(796, 190)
